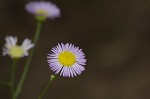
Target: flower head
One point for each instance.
(15, 51)
(67, 60)
(43, 9)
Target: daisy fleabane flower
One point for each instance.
(16, 51)
(43, 9)
(67, 60)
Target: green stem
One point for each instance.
(13, 72)
(23, 76)
(47, 86)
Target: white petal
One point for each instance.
(27, 44)
(10, 41)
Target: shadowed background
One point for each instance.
(114, 35)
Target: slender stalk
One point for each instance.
(47, 86)
(13, 72)
(23, 76)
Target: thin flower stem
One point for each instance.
(23, 76)
(47, 86)
(13, 72)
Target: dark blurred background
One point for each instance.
(114, 35)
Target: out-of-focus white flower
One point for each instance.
(16, 51)
(43, 9)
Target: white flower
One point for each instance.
(16, 51)
(43, 9)
(66, 59)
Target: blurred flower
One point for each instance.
(43, 9)
(67, 60)
(15, 51)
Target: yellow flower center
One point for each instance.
(41, 15)
(66, 58)
(16, 51)
(41, 12)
